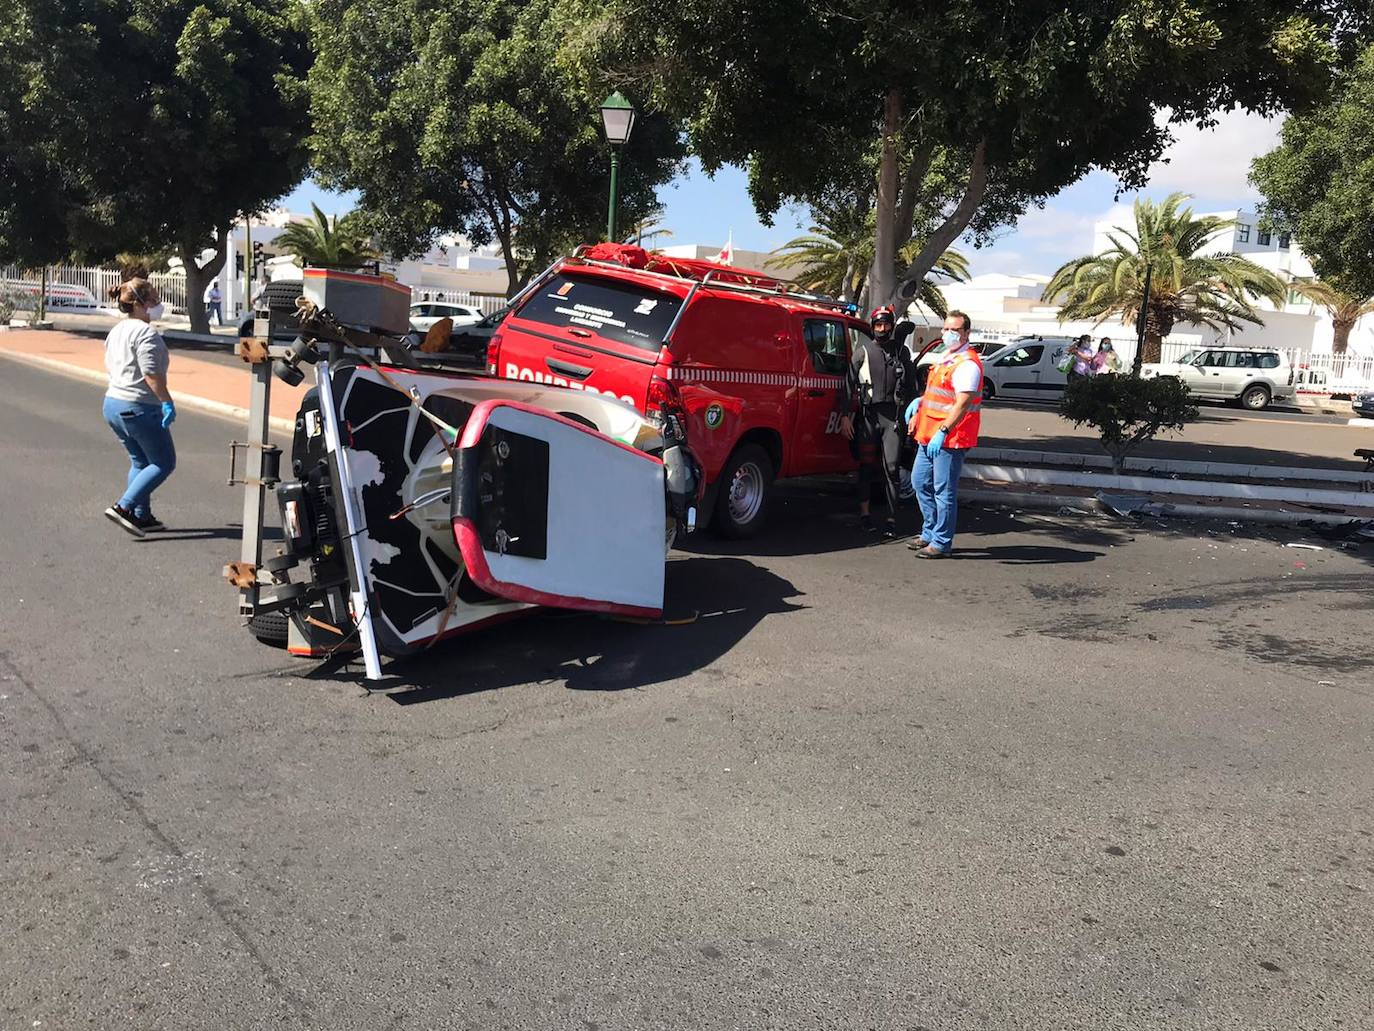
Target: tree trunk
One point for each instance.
(1340, 338)
(882, 276)
(1154, 345)
(513, 282)
(953, 226)
(847, 291)
(198, 278)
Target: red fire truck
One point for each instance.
(751, 366)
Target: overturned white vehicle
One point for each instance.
(422, 500)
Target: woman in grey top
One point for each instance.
(138, 405)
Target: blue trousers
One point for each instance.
(937, 492)
(152, 456)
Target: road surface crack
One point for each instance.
(213, 900)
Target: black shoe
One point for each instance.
(890, 529)
(917, 543)
(150, 522)
(116, 513)
(867, 525)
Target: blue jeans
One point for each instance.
(152, 456)
(212, 308)
(937, 492)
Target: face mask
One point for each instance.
(950, 337)
(155, 312)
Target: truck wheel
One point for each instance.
(270, 628)
(1256, 398)
(745, 487)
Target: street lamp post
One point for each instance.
(618, 119)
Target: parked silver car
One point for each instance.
(1252, 376)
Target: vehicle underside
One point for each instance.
(423, 500)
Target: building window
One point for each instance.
(1285, 241)
(1263, 237)
(1243, 233)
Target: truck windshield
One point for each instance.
(613, 309)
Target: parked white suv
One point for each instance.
(1252, 376)
(427, 313)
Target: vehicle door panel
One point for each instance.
(1018, 373)
(822, 348)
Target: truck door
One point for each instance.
(1018, 373)
(818, 445)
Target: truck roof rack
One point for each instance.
(778, 288)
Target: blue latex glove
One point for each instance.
(169, 414)
(936, 445)
(911, 410)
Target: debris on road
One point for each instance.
(1304, 547)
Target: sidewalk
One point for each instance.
(218, 388)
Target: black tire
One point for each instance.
(1255, 399)
(741, 513)
(270, 628)
(989, 391)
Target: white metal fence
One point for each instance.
(95, 282)
(482, 302)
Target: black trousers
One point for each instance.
(878, 434)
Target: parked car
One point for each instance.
(1027, 368)
(1251, 376)
(1362, 404)
(751, 367)
(427, 313)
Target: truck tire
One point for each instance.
(744, 491)
(270, 628)
(1255, 398)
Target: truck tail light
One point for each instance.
(664, 401)
(493, 353)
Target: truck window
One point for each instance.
(826, 343)
(1022, 356)
(614, 309)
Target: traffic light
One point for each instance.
(259, 259)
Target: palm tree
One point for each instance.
(648, 228)
(1345, 309)
(336, 240)
(1215, 290)
(836, 257)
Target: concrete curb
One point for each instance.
(201, 404)
(1225, 472)
(1155, 485)
(1054, 502)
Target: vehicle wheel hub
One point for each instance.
(746, 493)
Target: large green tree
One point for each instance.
(1016, 98)
(1188, 283)
(458, 116)
(836, 256)
(1318, 184)
(139, 124)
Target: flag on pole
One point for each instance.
(727, 253)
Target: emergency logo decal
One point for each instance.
(715, 415)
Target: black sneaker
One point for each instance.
(149, 522)
(890, 529)
(116, 513)
(867, 524)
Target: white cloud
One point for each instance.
(1212, 164)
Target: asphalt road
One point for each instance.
(1089, 775)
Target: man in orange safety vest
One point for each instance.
(945, 425)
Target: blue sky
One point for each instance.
(1211, 165)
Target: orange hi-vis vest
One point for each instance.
(938, 400)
